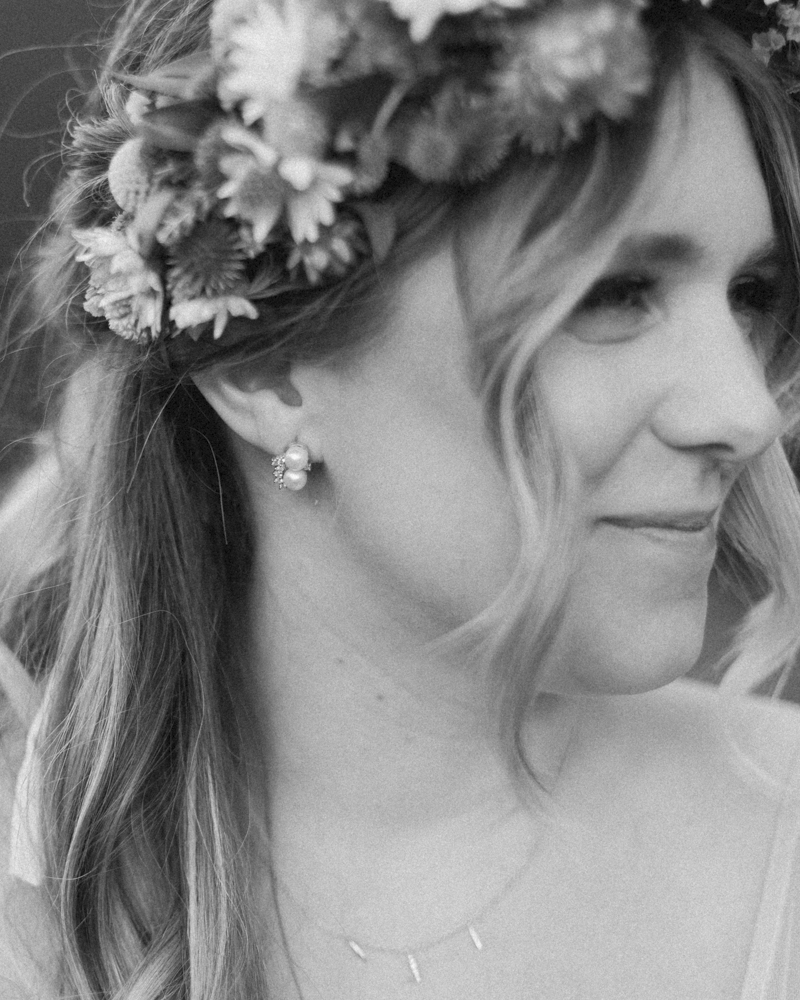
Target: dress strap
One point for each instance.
(26, 860)
(767, 972)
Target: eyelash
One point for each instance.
(763, 294)
(619, 291)
(633, 291)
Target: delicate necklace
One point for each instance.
(410, 954)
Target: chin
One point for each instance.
(628, 656)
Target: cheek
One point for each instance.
(635, 614)
(630, 627)
(597, 400)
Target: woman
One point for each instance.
(433, 364)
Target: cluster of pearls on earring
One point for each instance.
(290, 470)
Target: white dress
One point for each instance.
(773, 968)
(764, 753)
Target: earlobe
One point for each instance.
(268, 417)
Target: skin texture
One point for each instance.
(660, 399)
(385, 781)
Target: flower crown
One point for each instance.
(252, 164)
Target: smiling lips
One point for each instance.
(686, 534)
(685, 521)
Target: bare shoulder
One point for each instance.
(706, 785)
(708, 736)
(755, 737)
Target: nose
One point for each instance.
(717, 399)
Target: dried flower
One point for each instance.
(332, 254)
(767, 42)
(264, 57)
(294, 128)
(422, 15)
(225, 16)
(253, 162)
(371, 152)
(185, 212)
(377, 43)
(208, 262)
(571, 63)
(129, 176)
(789, 16)
(253, 192)
(137, 106)
(123, 288)
(321, 29)
(461, 137)
(314, 188)
(194, 313)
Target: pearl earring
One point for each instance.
(291, 469)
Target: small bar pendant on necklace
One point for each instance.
(358, 950)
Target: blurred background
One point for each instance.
(43, 59)
(44, 63)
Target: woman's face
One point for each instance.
(655, 395)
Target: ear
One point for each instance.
(269, 415)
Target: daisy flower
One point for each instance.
(195, 312)
(253, 191)
(333, 253)
(314, 189)
(264, 56)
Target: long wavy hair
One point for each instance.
(130, 632)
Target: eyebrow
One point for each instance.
(673, 248)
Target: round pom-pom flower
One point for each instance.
(129, 177)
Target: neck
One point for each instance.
(384, 771)
(387, 733)
(383, 735)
